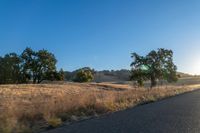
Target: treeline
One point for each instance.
(35, 66)
(29, 67)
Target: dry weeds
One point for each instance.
(32, 108)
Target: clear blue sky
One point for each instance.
(102, 33)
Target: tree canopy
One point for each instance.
(10, 69)
(85, 74)
(157, 65)
(34, 66)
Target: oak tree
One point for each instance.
(157, 65)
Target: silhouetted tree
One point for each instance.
(29, 58)
(34, 66)
(45, 62)
(10, 68)
(61, 75)
(157, 65)
(54, 75)
(37, 65)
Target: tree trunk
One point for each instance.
(34, 80)
(39, 81)
(153, 81)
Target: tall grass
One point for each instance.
(32, 108)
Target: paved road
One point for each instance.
(180, 114)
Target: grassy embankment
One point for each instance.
(32, 108)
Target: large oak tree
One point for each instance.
(38, 64)
(34, 66)
(157, 65)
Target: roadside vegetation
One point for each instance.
(32, 106)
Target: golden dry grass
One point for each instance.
(32, 108)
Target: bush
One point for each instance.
(54, 122)
(84, 75)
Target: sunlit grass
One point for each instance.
(32, 108)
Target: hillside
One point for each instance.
(113, 75)
(183, 75)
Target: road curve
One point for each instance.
(179, 114)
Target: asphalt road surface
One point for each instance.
(179, 114)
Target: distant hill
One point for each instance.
(112, 75)
(104, 76)
(183, 75)
(109, 76)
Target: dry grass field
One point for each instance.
(33, 108)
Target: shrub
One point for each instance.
(84, 75)
(54, 122)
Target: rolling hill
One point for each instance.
(112, 75)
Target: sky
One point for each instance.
(102, 34)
